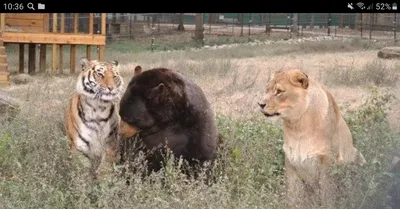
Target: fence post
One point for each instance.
(329, 24)
(394, 26)
(268, 26)
(241, 22)
(250, 21)
(371, 24)
(158, 19)
(209, 21)
(289, 18)
(361, 24)
(130, 25)
(152, 44)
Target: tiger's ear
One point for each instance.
(115, 64)
(138, 70)
(85, 63)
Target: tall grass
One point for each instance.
(37, 171)
(375, 72)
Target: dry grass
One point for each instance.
(37, 173)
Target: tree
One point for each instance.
(180, 25)
(199, 30)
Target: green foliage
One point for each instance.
(37, 170)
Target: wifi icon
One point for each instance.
(361, 5)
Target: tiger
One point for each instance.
(92, 119)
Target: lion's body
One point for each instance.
(92, 119)
(314, 131)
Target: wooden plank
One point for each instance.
(4, 83)
(103, 23)
(46, 19)
(4, 77)
(24, 22)
(56, 38)
(21, 58)
(72, 58)
(88, 47)
(54, 22)
(62, 23)
(54, 59)
(3, 68)
(61, 64)
(88, 52)
(91, 22)
(29, 16)
(76, 22)
(42, 61)
(3, 59)
(101, 53)
(2, 50)
(25, 29)
(31, 58)
(2, 21)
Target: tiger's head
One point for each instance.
(100, 80)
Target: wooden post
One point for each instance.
(54, 51)
(73, 47)
(21, 58)
(31, 58)
(3, 21)
(103, 32)
(42, 61)
(88, 47)
(61, 50)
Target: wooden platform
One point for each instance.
(54, 38)
(39, 29)
(4, 74)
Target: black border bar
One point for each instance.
(155, 6)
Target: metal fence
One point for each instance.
(145, 25)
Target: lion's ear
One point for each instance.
(300, 79)
(158, 90)
(273, 74)
(138, 70)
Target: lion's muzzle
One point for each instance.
(265, 112)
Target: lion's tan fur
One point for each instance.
(315, 134)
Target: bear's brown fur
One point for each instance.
(163, 108)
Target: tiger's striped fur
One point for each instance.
(92, 118)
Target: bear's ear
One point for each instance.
(138, 70)
(158, 90)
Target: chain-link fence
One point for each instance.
(157, 26)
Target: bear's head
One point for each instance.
(153, 99)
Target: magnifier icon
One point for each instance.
(30, 6)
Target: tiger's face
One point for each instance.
(100, 80)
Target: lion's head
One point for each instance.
(285, 94)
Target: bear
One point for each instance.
(161, 110)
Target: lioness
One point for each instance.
(315, 135)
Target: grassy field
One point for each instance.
(37, 172)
